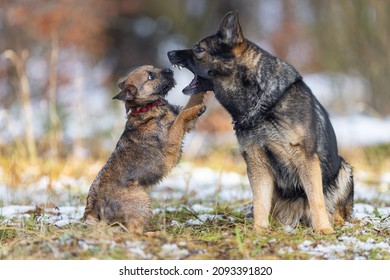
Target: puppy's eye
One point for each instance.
(198, 49)
(150, 76)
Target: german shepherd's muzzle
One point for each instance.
(184, 58)
(284, 133)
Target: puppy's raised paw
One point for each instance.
(193, 112)
(202, 110)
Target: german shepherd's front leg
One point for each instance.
(262, 185)
(311, 178)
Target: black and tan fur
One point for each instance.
(284, 133)
(147, 150)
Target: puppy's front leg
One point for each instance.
(196, 99)
(191, 111)
(180, 126)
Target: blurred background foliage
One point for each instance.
(61, 60)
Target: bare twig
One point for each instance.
(19, 63)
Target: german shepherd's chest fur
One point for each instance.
(277, 115)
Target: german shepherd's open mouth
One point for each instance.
(198, 83)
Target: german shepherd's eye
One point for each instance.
(151, 76)
(198, 49)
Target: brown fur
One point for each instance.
(147, 150)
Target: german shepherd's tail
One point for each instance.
(339, 201)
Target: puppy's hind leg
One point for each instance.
(129, 206)
(91, 212)
(137, 211)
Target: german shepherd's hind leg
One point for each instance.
(311, 178)
(262, 185)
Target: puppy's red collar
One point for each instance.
(145, 108)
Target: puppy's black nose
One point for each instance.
(167, 71)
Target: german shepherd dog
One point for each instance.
(149, 147)
(284, 133)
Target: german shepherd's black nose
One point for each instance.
(177, 56)
(180, 56)
(171, 54)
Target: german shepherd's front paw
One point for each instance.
(192, 112)
(324, 230)
(261, 230)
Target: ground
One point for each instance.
(200, 211)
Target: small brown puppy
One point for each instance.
(149, 147)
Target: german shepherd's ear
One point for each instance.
(126, 94)
(230, 29)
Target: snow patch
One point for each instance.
(173, 250)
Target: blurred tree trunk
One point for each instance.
(19, 63)
(354, 37)
(77, 109)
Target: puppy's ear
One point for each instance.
(230, 29)
(126, 94)
(121, 85)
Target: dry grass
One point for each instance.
(215, 239)
(228, 235)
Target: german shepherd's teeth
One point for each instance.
(177, 66)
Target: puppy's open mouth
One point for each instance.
(198, 83)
